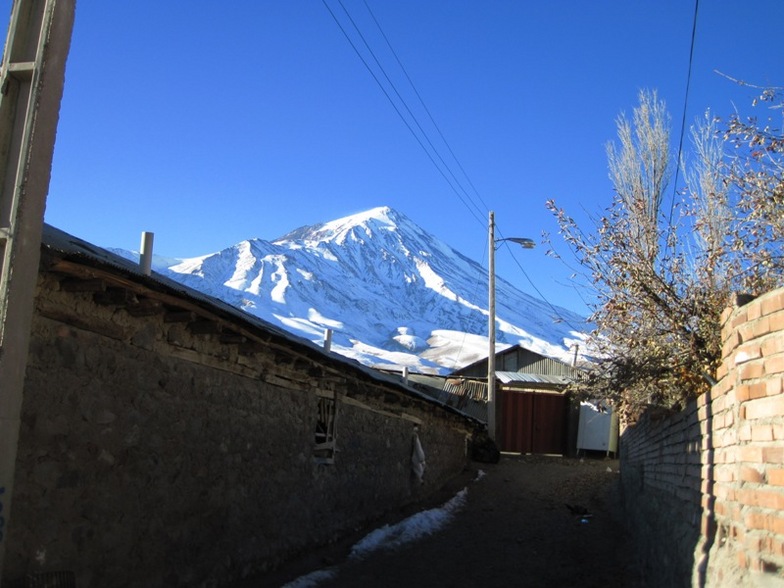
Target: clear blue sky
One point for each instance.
(213, 122)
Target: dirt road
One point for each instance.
(514, 530)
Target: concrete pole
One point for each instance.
(491, 399)
(31, 79)
(494, 412)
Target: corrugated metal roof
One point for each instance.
(519, 359)
(518, 377)
(467, 396)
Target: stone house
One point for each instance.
(169, 439)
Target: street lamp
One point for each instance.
(492, 405)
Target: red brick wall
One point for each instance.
(748, 431)
(723, 457)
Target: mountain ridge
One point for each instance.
(392, 294)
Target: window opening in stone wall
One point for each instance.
(324, 448)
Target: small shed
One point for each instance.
(537, 415)
(598, 428)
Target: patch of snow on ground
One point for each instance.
(411, 529)
(255, 284)
(312, 579)
(410, 342)
(190, 266)
(390, 537)
(379, 359)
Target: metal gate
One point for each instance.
(533, 422)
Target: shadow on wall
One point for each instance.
(707, 502)
(660, 486)
(703, 489)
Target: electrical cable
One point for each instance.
(541, 296)
(403, 100)
(683, 118)
(427, 110)
(397, 110)
(476, 209)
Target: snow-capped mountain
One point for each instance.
(392, 294)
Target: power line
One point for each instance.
(465, 200)
(427, 110)
(683, 117)
(541, 296)
(397, 110)
(403, 100)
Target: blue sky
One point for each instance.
(213, 122)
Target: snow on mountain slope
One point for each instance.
(393, 294)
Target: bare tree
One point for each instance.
(639, 170)
(709, 202)
(755, 173)
(661, 277)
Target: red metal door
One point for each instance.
(548, 423)
(517, 409)
(532, 422)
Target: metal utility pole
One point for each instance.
(31, 87)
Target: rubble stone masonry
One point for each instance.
(153, 455)
(703, 489)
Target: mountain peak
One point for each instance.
(365, 222)
(383, 214)
(379, 217)
(392, 293)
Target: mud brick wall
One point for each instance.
(704, 489)
(150, 455)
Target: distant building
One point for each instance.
(537, 414)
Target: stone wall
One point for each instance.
(153, 455)
(704, 489)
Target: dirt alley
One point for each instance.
(515, 530)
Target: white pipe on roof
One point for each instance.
(145, 257)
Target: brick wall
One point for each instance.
(704, 488)
(661, 477)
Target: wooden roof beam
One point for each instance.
(83, 285)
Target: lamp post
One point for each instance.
(492, 405)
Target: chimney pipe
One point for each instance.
(145, 255)
(327, 339)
